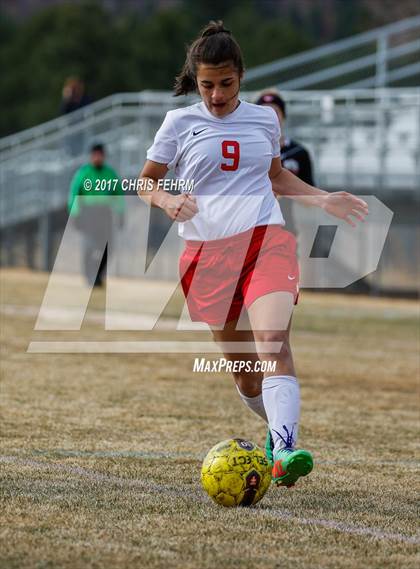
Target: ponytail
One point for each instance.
(185, 82)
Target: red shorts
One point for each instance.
(220, 276)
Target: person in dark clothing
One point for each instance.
(294, 156)
(74, 96)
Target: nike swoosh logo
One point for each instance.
(198, 131)
(291, 278)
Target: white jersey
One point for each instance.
(228, 159)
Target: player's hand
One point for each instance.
(181, 208)
(345, 206)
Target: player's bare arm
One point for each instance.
(178, 208)
(340, 204)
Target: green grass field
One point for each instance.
(101, 453)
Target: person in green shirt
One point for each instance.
(96, 201)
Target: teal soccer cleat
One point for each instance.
(288, 464)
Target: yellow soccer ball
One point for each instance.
(236, 472)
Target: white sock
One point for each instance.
(281, 398)
(256, 404)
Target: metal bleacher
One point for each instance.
(362, 139)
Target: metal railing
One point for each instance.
(384, 54)
(129, 104)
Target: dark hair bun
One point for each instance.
(213, 28)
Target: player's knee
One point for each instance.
(273, 345)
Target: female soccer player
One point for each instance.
(239, 265)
